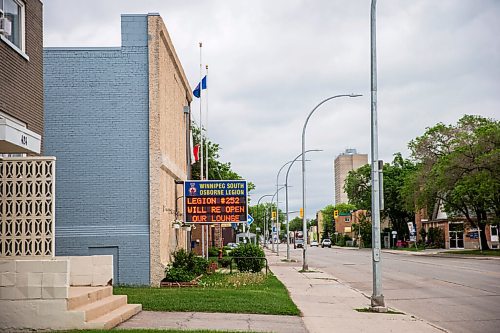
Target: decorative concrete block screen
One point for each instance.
(27, 207)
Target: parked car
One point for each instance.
(326, 242)
(299, 243)
(314, 243)
(232, 245)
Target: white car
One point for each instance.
(314, 243)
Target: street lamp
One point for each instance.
(304, 223)
(277, 210)
(377, 298)
(275, 193)
(286, 200)
(265, 220)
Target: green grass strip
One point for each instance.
(227, 293)
(493, 253)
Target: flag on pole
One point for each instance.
(196, 154)
(191, 144)
(197, 91)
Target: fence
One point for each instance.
(27, 207)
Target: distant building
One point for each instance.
(345, 162)
(117, 120)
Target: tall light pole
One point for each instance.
(377, 298)
(286, 204)
(277, 210)
(304, 223)
(265, 220)
(272, 199)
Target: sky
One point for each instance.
(271, 62)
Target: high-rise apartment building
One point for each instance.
(345, 162)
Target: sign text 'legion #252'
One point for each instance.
(215, 201)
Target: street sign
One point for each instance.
(215, 201)
(250, 219)
(274, 229)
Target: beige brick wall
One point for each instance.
(169, 92)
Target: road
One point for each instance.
(460, 295)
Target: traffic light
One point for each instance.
(274, 214)
(301, 212)
(335, 214)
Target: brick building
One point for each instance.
(117, 120)
(345, 162)
(21, 82)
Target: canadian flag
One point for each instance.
(196, 154)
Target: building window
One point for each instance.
(12, 12)
(347, 219)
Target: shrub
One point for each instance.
(246, 264)
(185, 267)
(225, 262)
(213, 251)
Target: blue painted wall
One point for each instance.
(96, 124)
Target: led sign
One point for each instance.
(215, 201)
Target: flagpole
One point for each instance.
(206, 125)
(201, 127)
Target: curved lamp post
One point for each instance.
(265, 220)
(304, 223)
(277, 209)
(286, 201)
(272, 199)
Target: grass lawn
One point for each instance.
(412, 249)
(147, 331)
(494, 253)
(232, 293)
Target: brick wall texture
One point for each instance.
(21, 82)
(115, 121)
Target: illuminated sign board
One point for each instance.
(215, 201)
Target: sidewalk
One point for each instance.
(215, 321)
(328, 305)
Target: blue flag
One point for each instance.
(197, 91)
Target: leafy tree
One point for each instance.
(328, 222)
(216, 169)
(358, 187)
(460, 166)
(296, 224)
(395, 175)
(365, 229)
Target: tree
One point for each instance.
(365, 229)
(395, 175)
(216, 169)
(328, 222)
(460, 166)
(358, 187)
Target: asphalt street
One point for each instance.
(459, 295)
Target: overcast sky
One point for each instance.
(271, 62)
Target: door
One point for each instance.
(494, 233)
(456, 232)
(108, 250)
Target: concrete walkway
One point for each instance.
(327, 306)
(216, 321)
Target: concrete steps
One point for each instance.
(100, 308)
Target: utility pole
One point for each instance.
(377, 298)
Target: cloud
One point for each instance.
(271, 62)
